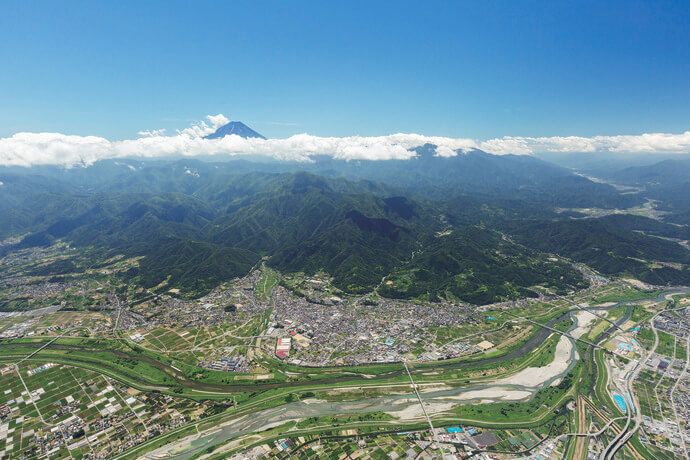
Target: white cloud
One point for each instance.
(26, 149)
(444, 151)
(217, 120)
(152, 132)
(644, 143)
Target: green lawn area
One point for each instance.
(626, 295)
(516, 413)
(268, 280)
(666, 341)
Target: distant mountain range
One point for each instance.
(666, 172)
(234, 127)
(475, 227)
(667, 181)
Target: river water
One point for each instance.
(267, 418)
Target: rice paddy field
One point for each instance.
(62, 411)
(199, 340)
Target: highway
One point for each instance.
(624, 436)
(560, 332)
(673, 404)
(598, 315)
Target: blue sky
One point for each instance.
(458, 69)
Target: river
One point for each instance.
(441, 399)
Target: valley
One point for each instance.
(216, 359)
(270, 230)
(189, 309)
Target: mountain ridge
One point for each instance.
(237, 128)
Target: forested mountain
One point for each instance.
(475, 227)
(667, 172)
(424, 176)
(610, 246)
(667, 182)
(607, 164)
(477, 265)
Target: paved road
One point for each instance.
(674, 405)
(625, 434)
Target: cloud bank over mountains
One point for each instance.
(29, 149)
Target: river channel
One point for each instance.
(437, 401)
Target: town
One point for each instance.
(250, 328)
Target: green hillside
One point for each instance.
(194, 224)
(478, 266)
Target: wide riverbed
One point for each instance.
(518, 387)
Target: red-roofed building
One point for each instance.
(283, 348)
